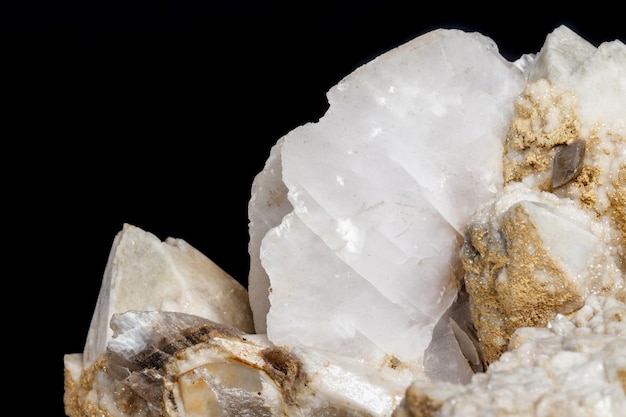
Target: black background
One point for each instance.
(160, 114)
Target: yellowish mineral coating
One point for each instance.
(617, 199)
(526, 299)
(506, 285)
(482, 270)
(586, 182)
(545, 118)
(286, 369)
(71, 399)
(420, 404)
(506, 280)
(76, 399)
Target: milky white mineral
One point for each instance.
(378, 193)
(179, 342)
(448, 240)
(143, 273)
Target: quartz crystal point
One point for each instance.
(356, 220)
(144, 273)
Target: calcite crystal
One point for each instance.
(372, 192)
(448, 240)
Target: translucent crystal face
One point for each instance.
(379, 191)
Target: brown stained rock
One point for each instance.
(512, 281)
(526, 299)
(286, 370)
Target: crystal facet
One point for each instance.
(372, 192)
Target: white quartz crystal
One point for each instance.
(448, 240)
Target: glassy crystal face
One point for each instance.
(448, 240)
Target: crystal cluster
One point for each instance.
(448, 240)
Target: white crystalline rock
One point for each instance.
(573, 367)
(267, 206)
(178, 342)
(594, 75)
(338, 384)
(530, 255)
(144, 273)
(545, 264)
(356, 220)
(181, 365)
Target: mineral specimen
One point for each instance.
(573, 367)
(143, 273)
(448, 240)
(555, 234)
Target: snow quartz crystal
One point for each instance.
(447, 240)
